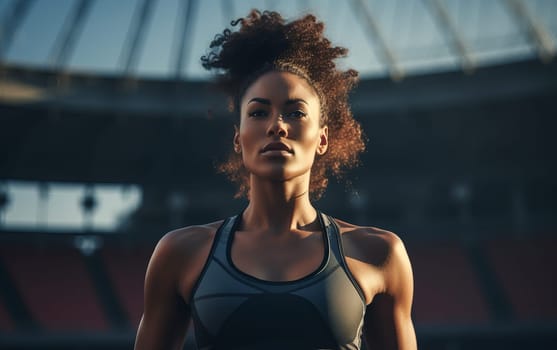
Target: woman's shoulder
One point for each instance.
(370, 244)
(179, 257)
(367, 234)
(187, 241)
(185, 247)
(191, 235)
(382, 251)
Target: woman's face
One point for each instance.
(280, 131)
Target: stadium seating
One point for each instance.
(447, 290)
(526, 268)
(6, 323)
(126, 269)
(55, 286)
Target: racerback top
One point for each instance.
(233, 310)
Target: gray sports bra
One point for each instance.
(233, 310)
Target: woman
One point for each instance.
(281, 275)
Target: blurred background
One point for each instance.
(110, 134)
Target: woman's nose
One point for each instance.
(277, 126)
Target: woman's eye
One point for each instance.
(295, 114)
(258, 114)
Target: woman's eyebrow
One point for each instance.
(292, 101)
(260, 100)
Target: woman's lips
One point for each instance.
(276, 147)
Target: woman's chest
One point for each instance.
(322, 310)
(276, 260)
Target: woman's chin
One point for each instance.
(280, 173)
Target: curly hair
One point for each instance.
(265, 42)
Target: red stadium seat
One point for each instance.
(55, 285)
(527, 270)
(446, 289)
(6, 323)
(126, 269)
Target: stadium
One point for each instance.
(111, 132)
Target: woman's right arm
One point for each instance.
(165, 313)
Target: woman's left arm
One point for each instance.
(388, 323)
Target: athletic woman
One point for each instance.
(281, 274)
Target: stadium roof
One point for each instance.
(165, 38)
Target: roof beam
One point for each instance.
(136, 33)
(456, 41)
(186, 16)
(65, 41)
(12, 20)
(361, 8)
(547, 48)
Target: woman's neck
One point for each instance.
(279, 207)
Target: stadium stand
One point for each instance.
(526, 268)
(55, 286)
(6, 323)
(447, 291)
(126, 268)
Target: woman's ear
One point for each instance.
(323, 141)
(237, 146)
